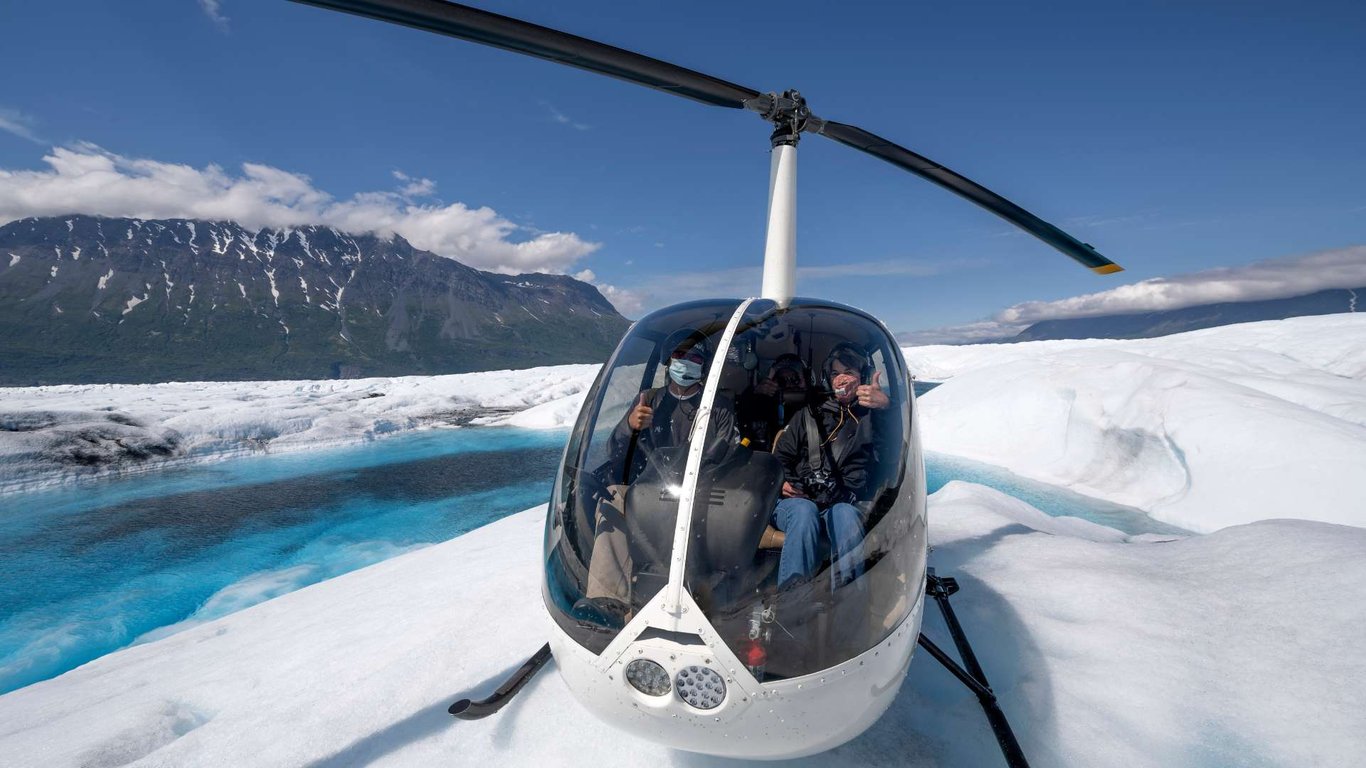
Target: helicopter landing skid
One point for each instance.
(940, 587)
(474, 710)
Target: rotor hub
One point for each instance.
(788, 113)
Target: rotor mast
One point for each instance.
(789, 114)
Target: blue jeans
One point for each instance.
(802, 523)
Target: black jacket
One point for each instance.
(671, 426)
(848, 447)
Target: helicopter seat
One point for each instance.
(739, 500)
(777, 436)
(732, 506)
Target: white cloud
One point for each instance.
(890, 268)
(87, 179)
(1270, 279)
(661, 290)
(628, 303)
(982, 330)
(415, 187)
(19, 124)
(562, 118)
(1277, 278)
(213, 9)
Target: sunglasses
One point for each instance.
(692, 355)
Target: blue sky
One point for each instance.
(1177, 137)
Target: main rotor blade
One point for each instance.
(466, 23)
(511, 34)
(934, 172)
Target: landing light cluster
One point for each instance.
(697, 686)
(647, 677)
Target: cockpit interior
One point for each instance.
(775, 425)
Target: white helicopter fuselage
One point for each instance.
(783, 719)
(746, 716)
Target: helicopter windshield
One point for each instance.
(614, 508)
(806, 518)
(809, 549)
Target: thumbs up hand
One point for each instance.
(871, 395)
(641, 415)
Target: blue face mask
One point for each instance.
(685, 373)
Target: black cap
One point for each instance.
(683, 340)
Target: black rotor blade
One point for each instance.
(466, 23)
(934, 172)
(511, 34)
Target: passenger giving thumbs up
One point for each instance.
(641, 415)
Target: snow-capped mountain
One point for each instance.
(91, 299)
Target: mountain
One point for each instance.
(1146, 325)
(90, 299)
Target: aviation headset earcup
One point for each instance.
(847, 349)
(744, 356)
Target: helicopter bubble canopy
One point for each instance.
(683, 487)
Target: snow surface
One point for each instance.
(53, 434)
(1104, 650)
(1203, 429)
(1238, 647)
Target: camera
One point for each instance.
(821, 487)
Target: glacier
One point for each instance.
(1237, 645)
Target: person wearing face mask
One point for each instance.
(663, 417)
(828, 454)
(660, 418)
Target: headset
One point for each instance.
(852, 356)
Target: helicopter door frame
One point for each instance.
(646, 379)
(697, 443)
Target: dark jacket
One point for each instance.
(848, 453)
(671, 426)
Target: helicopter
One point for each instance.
(670, 612)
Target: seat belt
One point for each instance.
(814, 456)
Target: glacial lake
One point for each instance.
(91, 568)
